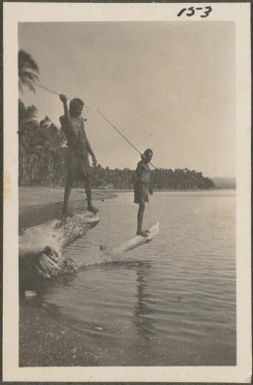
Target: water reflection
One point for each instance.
(142, 319)
(158, 312)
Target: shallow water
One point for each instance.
(169, 302)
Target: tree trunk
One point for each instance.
(41, 245)
(96, 255)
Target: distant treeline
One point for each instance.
(179, 179)
(42, 161)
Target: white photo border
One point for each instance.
(13, 13)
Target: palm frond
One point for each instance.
(25, 60)
(28, 71)
(29, 75)
(28, 83)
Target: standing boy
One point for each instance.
(78, 150)
(142, 188)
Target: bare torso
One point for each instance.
(75, 135)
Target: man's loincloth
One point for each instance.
(141, 193)
(78, 165)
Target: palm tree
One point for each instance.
(28, 71)
(27, 116)
(28, 126)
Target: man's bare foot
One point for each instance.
(92, 209)
(143, 233)
(66, 213)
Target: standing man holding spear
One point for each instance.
(78, 150)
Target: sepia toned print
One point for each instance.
(131, 193)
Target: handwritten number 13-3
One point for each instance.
(191, 11)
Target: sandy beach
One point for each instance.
(41, 204)
(46, 341)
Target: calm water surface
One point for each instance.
(170, 302)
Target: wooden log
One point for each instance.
(102, 254)
(136, 241)
(42, 245)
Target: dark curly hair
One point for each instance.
(147, 151)
(74, 103)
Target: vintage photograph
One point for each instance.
(127, 180)
(81, 185)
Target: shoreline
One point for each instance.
(35, 195)
(40, 205)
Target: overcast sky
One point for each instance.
(169, 86)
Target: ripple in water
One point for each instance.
(171, 302)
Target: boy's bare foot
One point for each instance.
(143, 233)
(93, 209)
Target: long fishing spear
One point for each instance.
(104, 117)
(121, 134)
(55, 93)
